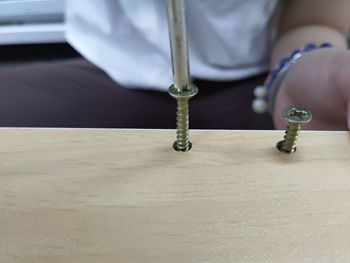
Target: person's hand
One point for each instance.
(319, 81)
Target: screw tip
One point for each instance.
(281, 148)
(185, 149)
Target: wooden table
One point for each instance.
(126, 196)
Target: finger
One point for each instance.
(311, 84)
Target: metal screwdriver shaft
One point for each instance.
(182, 90)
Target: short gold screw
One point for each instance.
(295, 117)
(182, 143)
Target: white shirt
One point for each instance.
(129, 40)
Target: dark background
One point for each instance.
(18, 54)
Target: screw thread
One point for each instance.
(291, 137)
(182, 122)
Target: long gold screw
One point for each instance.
(182, 143)
(295, 117)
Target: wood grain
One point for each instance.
(126, 196)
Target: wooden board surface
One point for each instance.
(126, 196)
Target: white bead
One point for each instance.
(259, 106)
(260, 92)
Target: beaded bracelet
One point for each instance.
(265, 95)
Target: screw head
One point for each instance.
(186, 94)
(296, 115)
